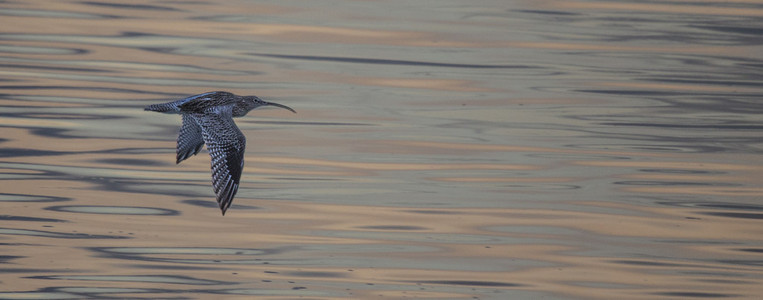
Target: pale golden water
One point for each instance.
(441, 150)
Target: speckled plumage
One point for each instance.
(208, 119)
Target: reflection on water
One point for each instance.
(556, 149)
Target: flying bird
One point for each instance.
(208, 119)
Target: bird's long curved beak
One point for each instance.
(280, 105)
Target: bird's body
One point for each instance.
(208, 119)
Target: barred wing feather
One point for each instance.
(226, 144)
(190, 139)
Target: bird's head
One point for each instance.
(252, 102)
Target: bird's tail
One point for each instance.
(163, 108)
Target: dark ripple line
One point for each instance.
(51, 68)
(648, 263)
(393, 227)
(736, 215)
(472, 283)
(719, 82)
(754, 31)
(740, 262)
(61, 116)
(19, 152)
(41, 13)
(716, 205)
(753, 250)
(158, 279)
(672, 183)
(546, 12)
(711, 126)
(694, 295)
(40, 198)
(79, 292)
(72, 51)
(318, 274)
(130, 161)
(665, 93)
(736, 103)
(391, 62)
(52, 133)
(57, 235)
(4, 259)
(28, 219)
(130, 6)
(680, 171)
(105, 210)
(311, 123)
(81, 88)
(94, 293)
(148, 255)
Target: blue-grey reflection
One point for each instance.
(171, 279)
(695, 295)
(6, 197)
(316, 274)
(52, 14)
(49, 68)
(472, 283)
(179, 254)
(737, 215)
(376, 61)
(29, 219)
(58, 235)
(39, 50)
(672, 183)
(114, 210)
(4, 259)
(130, 6)
(716, 205)
(19, 152)
(753, 250)
(648, 263)
(60, 116)
(392, 227)
(130, 161)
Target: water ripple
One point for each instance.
(130, 6)
(114, 210)
(171, 279)
(495, 149)
(58, 235)
(377, 61)
(183, 255)
(6, 197)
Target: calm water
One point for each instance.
(441, 150)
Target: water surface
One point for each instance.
(443, 150)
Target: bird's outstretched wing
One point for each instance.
(226, 144)
(190, 139)
(205, 103)
(174, 106)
